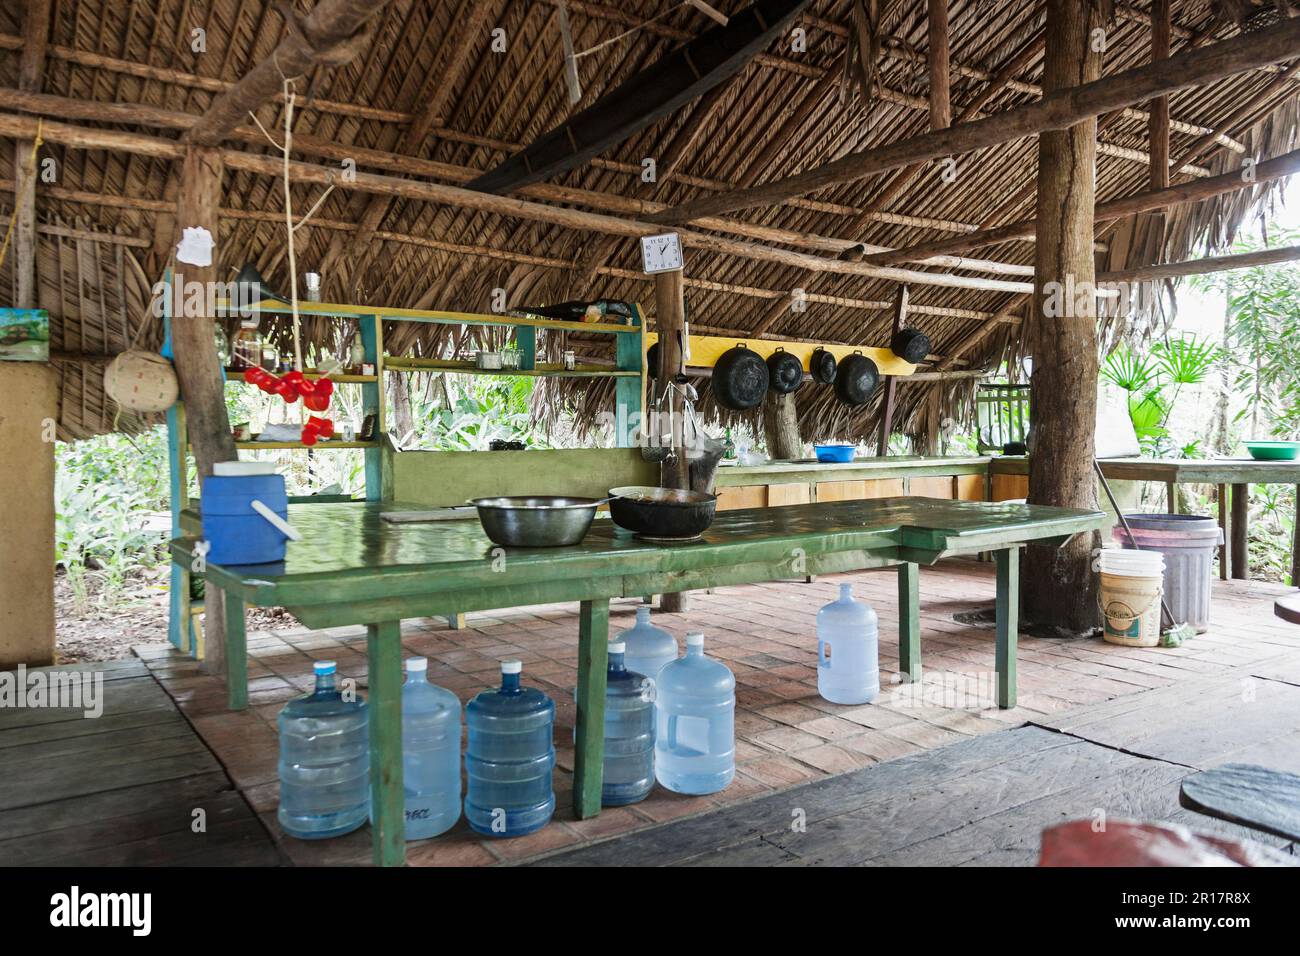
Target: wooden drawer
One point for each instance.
(932, 487)
(970, 487)
(797, 493)
(1010, 486)
(742, 496)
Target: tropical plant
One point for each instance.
(1153, 382)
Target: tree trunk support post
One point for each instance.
(889, 399)
(670, 317)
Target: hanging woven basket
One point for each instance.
(141, 381)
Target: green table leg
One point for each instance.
(589, 748)
(909, 623)
(236, 653)
(1008, 616)
(387, 800)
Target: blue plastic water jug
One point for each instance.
(629, 767)
(509, 758)
(236, 534)
(848, 662)
(324, 762)
(430, 753)
(695, 707)
(649, 648)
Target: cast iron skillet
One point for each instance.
(856, 377)
(822, 366)
(661, 512)
(784, 371)
(740, 379)
(911, 345)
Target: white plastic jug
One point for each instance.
(848, 663)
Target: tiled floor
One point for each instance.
(786, 734)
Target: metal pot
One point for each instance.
(856, 378)
(535, 521)
(740, 379)
(911, 345)
(784, 371)
(662, 512)
(822, 366)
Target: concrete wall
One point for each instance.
(28, 403)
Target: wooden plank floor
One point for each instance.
(986, 800)
(119, 789)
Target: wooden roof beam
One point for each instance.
(1058, 110)
(1150, 201)
(1203, 266)
(332, 34)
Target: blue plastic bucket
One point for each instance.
(236, 534)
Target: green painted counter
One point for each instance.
(354, 568)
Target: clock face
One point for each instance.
(661, 253)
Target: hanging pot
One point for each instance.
(856, 377)
(911, 345)
(740, 379)
(822, 366)
(784, 371)
(652, 360)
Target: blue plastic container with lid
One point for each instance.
(649, 648)
(629, 766)
(695, 729)
(235, 532)
(324, 761)
(509, 757)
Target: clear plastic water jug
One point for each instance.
(324, 761)
(848, 661)
(430, 753)
(649, 648)
(629, 767)
(695, 723)
(509, 758)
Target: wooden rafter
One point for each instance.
(1203, 266)
(1058, 110)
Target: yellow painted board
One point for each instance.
(707, 349)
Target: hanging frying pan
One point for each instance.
(911, 345)
(856, 378)
(822, 366)
(784, 371)
(740, 379)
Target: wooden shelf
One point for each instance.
(545, 370)
(272, 445)
(312, 375)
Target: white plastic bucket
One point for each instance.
(1131, 585)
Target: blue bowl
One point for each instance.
(836, 453)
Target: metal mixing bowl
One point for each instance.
(535, 521)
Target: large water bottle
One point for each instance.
(695, 707)
(509, 758)
(649, 648)
(324, 762)
(629, 767)
(430, 753)
(848, 664)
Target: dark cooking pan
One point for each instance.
(822, 366)
(784, 371)
(740, 379)
(662, 512)
(856, 377)
(911, 345)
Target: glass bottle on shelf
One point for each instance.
(246, 347)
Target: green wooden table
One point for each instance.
(354, 568)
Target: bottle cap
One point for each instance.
(512, 667)
(417, 664)
(695, 640)
(325, 667)
(617, 647)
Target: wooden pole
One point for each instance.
(31, 76)
(1204, 266)
(1158, 125)
(1239, 526)
(1193, 191)
(940, 106)
(781, 426)
(1060, 587)
(670, 319)
(1059, 109)
(888, 400)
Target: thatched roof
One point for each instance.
(784, 112)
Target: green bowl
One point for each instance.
(1273, 450)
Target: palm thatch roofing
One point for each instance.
(428, 85)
